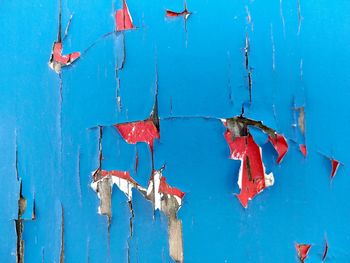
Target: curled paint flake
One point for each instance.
(185, 13)
(164, 188)
(103, 186)
(119, 174)
(303, 149)
(139, 131)
(121, 179)
(303, 251)
(158, 190)
(142, 131)
(123, 19)
(280, 144)
(325, 251)
(57, 60)
(252, 177)
(335, 166)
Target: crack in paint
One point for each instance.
(62, 235)
(22, 204)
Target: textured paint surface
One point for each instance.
(295, 81)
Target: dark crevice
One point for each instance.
(22, 203)
(239, 126)
(154, 114)
(62, 235)
(247, 67)
(249, 170)
(131, 220)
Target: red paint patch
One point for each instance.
(170, 13)
(185, 13)
(123, 19)
(335, 166)
(164, 188)
(120, 174)
(303, 251)
(64, 60)
(252, 172)
(303, 150)
(280, 144)
(139, 131)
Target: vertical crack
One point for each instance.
(282, 19)
(67, 27)
(299, 16)
(131, 227)
(118, 96)
(22, 203)
(247, 66)
(62, 235)
(273, 49)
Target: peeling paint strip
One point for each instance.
(123, 19)
(185, 13)
(280, 144)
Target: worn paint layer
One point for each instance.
(77, 136)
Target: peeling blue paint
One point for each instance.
(57, 154)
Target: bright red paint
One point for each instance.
(120, 174)
(166, 189)
(302, 250)
(63, 59)
(335, 166)
(123, 19)
(280, 144)
(252, 171)
(139, 131)
(302, 148)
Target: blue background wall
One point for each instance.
(195, 79)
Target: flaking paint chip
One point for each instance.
(302, 251)
(185, 13)
(252, 177)
(123, 19)
(58, 60)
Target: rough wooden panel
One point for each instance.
(175, 240)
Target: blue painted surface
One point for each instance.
(194, 80)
